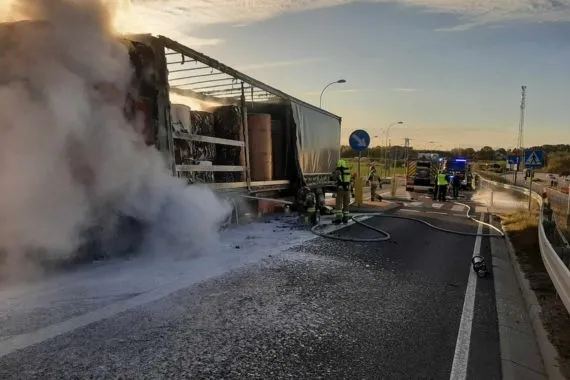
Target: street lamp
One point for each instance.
(386, 140)
(330, 84)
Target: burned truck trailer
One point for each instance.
(213, 125)
(221, 128)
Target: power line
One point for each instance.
(521, 122)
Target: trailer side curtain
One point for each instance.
(318, 139)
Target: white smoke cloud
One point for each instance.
(68, 158)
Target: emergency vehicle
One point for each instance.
(422, 171)
(459, 166)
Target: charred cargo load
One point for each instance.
(220, 127)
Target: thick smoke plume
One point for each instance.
(69, 160)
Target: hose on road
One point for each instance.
(386, 236)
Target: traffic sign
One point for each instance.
(359, 140)
(513, 160)
(533, 159)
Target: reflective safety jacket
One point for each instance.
(342, 175)
(442, 180)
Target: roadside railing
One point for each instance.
(555, 260)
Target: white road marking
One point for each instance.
(409, 210)
(461, 356)
(480, 209)
(437, 205)
(457, 208)
(414, 204)
(437, 212)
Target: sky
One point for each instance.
(451, 70)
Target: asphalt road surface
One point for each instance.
(322, 309)
(558, 199)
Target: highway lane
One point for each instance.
(558, 199)
(321, 309)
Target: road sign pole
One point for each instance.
(359, 140)
(358, 193)
(530, 190)
(359, 157)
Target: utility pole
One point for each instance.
(406, 147)
(521, 131)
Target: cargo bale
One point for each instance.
(228, 125)
(202, 123)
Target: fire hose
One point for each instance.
(316, 229)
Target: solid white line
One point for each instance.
(461, 356)
(437, 212)
(409, 210)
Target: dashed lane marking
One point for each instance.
(437, 205)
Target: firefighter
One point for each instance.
(435, 187)
(442, 184)
(373, 179)
(343, 178)
(456, 184)
(307, 202)
(547, 207)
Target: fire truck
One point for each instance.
(421, 173)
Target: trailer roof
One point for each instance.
(192, 72)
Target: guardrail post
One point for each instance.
(492, 193)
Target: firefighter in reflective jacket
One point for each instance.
(342, 177)
(442, 184)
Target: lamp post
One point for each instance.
(327, 86)
(386, 152)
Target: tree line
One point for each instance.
(557, 156)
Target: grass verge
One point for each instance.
(365, 162)
(522, 228)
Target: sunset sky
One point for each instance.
(451, 69)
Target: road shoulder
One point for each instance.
(520, 353)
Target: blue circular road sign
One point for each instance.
(359, 140)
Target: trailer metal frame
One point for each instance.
(193, 74)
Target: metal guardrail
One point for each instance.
(557, 270)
